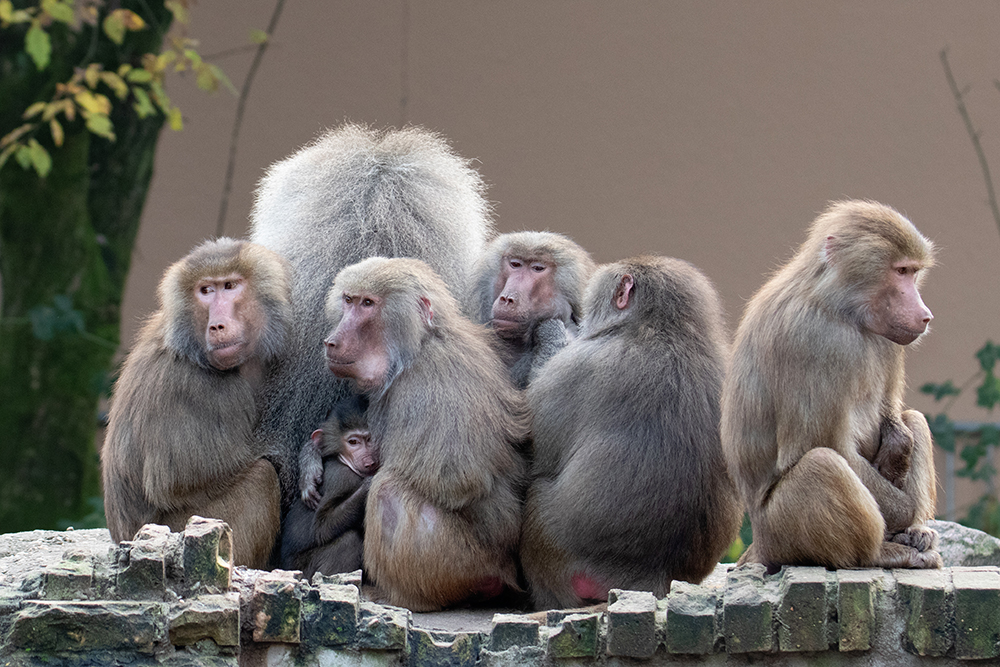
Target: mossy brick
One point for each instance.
(430, 648)
(977, 613)
(276, 607)
(802, 615)
(46, 626)
(215, 617)
(72, 578)
(340, 579)
(927, 607)
(333, 620)
(856, 608)
(631, 624)
(510, 630)
(576, 636)
(143, 563)
(207, 555)
(748, 611)
(381, 627)
(692, 627)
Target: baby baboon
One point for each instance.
(184, 407)
(629, 486)
(444, 508)
(832, 469)
(529, 289)
(323, 531)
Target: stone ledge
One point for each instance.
(175, 599)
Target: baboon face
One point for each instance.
(230, 316)
(524, 292)
(897, 311)
(356, 348)
(356, 450)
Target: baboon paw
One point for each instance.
(928, 560)
(920, 538)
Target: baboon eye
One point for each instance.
(367, 303)
(205, 289)
(901, 270)
(538, 268)
(515, 263)
(348, 299)
(230, 284)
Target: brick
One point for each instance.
(856, 608)
(632, 624)
(691, 619)
(926, 601)
(513, 630)
(334, 619)
(208, 555)
(381, 627)
(802, 615)
(215, 617)
(576, 636)
(276, 607)
(45, 626)
(71, 578)
(430, 648)
(143, 564)
(748, 611)
(977, 613)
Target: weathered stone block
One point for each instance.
(510, 630)
(927, 607)
(802, 610)
(576, 636)
(748, 611)
(276, 607)
(381, 627)
(70, 579)
(44, 625)
(856, 608)
(215, 617)
(977, 613)
(335, 619)
(962, 546)
(339, 579)
(691, 619)
(208, 555)
(429, 648)
(328, 657)
(143, 568)
(632, 624)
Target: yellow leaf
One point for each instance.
(124, 69)
(6, 153)
(91, 74)
(179, 10)
(93, 102)
(116, 83)
(131, 20)
(258, 36)
(206, 80)
(51, 109)
(15, 134)
(139, 76)
(57, 132)
(6, 11)
(33, 110)
(175, 119)
(69, 110)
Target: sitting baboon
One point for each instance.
(629, 486)
(832, 469)
(444, 509)
(179, 434)
(529, 289)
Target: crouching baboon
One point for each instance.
(832, 469)
(528, 286)
(184, 407)
(323, 531)
(629, 486)
(443, 511)
(355, 193)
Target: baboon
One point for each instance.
(443, 511)
(629, 486)
(324, 530)
(528, 286)
(179, 438)
(832, 470)
(355, 193)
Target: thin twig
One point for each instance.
(220, 224)
(974, 136)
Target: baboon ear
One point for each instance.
(829, 250)
(317, 437)
(624, 292)
(426, 311)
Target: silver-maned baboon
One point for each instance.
(179, 439)
(832, 469)
(629, 486)
(528, 286)
(355, 193)
(323, 531)
(444, 509)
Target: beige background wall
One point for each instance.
(712, 131)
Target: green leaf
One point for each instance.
(101, 125)
(6, 153)
(175, 119)
(40, 158)
(23, 156)
(206, 80)
(114, 27)
(223, 79)
(988, 356)
(943, 430)
(179, 11)
(988, 393)
(258, 36)
(60, 11)
(38, 45)
(940, 391)
(143, 107)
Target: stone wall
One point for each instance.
(74, 598)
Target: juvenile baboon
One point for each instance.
(629, 486)
(183, 411)
(443, 511)
(528, 286)
(355, 193)
(832, 469)
(323, 531)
